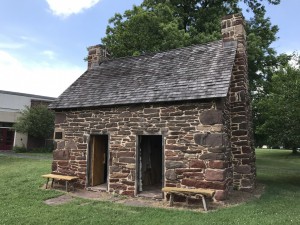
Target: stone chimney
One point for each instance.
(96, 55)
(233, 29)
(240, 131)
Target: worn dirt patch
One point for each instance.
(59, 200)
(137, 203)
(235, 198)
(239, 197)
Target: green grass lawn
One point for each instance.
(42, 155)
(21, 199)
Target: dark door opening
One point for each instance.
(150, 163)
(7, 136)
(98, 158)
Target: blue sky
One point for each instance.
(43, 42)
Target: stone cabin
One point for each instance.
(179, 118)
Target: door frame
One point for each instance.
(89, 158)
(137, 159)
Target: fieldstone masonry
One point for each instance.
(241, 133)
(195, 147)
(207, 143)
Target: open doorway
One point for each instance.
(150, 164)
(97, 162)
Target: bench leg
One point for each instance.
(187, 200)
(67, 186)
(171, 199)
(52, 183)
(203, 201)
(47, 183)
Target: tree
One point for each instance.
(144, 31)
(159, 25)
(37, 122)
(279, 110)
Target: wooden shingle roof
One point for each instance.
(189, 73)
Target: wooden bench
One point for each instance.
(68, 179)
(189, 194)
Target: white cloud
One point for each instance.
(65, 8)
(40, 78)
(7, 60)
(13, 42)
(11, 45)
(28, 39)
(49, 54)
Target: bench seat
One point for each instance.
(196, 193)
(68, 179)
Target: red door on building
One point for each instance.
(6, 138)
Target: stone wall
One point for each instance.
(196, 149)
(241, 132)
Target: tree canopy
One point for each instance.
(36, 121)
(279, 110)
(159, 25)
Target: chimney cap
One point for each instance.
(230, 16)
(96, 46)
(96, 55)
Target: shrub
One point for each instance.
(40, 150)
(37, 122)
(17, 149)
(33, 150)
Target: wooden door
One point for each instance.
(99, 154)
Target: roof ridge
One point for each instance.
(154, 53)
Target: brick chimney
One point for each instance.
(240, 131)
(96, 55)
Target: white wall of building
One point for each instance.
(11, 105)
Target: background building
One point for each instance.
(11, 105)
